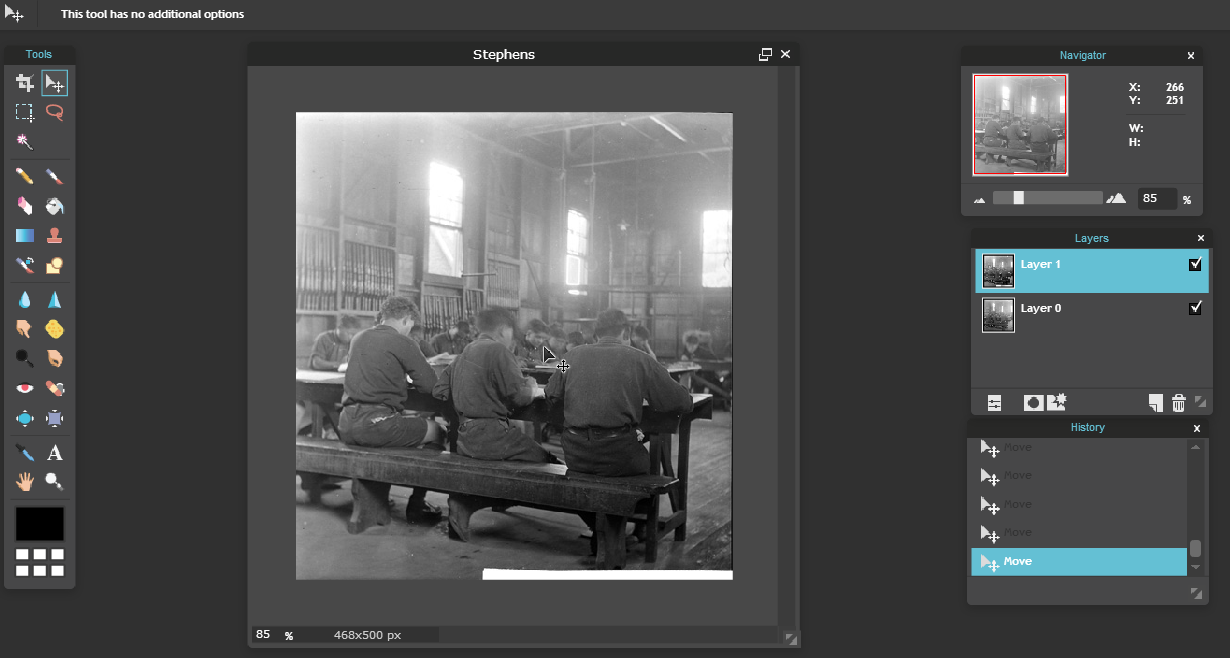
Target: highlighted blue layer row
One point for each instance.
(1079, 561)
(1100, 270)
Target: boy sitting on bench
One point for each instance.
(374, 392)
(485, 385)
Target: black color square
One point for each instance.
(39, 524)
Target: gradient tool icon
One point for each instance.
(25, 235)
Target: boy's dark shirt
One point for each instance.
(607, 382)
(484, 381)
(380, 359)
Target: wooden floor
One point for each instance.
(520, 538)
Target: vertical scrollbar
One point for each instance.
(41, 484)
(1197, 453)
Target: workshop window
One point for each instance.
(576, 269)
(1007, 102)
(444, 226)
(717, 251)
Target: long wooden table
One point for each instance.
(322, 391)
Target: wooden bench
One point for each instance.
(474, 484)
(1039, 159)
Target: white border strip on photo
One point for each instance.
(530, 574)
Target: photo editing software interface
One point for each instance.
(511, 320)
(496, 242)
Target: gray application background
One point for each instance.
(1170, 154)
(275, 597)
(54, 147)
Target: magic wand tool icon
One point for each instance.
(21, 139)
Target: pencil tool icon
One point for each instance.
(22, 450)
(53, 177)
(21, 139)
(24, 176)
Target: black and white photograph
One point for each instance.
(998, 271)
(997, 315)
(1021, 125)
(514, 345)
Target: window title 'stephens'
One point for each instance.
(499, 55)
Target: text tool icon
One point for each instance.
(24, 176)
(24, 357)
